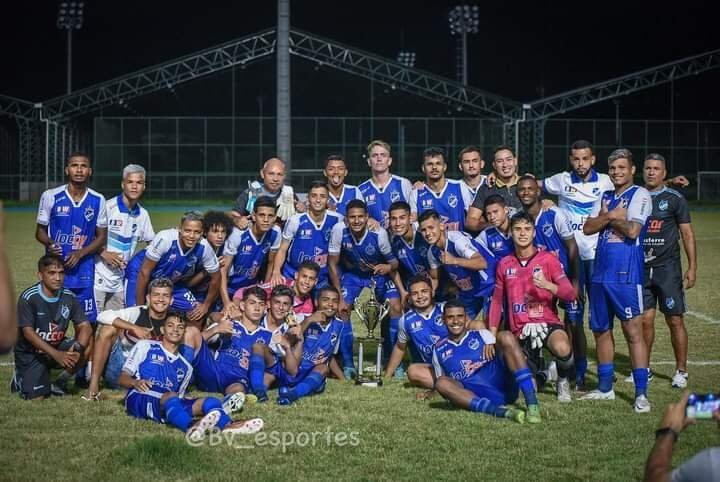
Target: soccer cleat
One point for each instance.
(197, 432)
(563, 391)
(349, 373)
(399, 373)
(286, 396)
(515, 415)
(679, 380)
(580, 386)
(598, 395)
(233, 403)
(533, 414)
(642, 404)
(58, 389)
(261, 396)
(245, 427)
(92, 397)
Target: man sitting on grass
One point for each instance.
(157, 374)
(44, 312)
(481, 373)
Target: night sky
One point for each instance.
(524, 49)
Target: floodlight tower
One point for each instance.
(407, 58)
(463, 20)
(70, 17)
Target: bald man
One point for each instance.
(273, 175)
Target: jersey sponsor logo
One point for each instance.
(452, 200)
(89, 213)
(511, 273)
(370, 199)
(77, 240)
(470, 366)
(570, 190)
(115, 223)
(427, 203)
(305, 233)
(53, 335)
(319, 256)
(445, 354)
(157, 359)
(663, 205)
(655, 226)
(463, 284)
(416, 325)
(62, 211)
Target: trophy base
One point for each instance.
(368, 382)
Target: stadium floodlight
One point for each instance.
(463, 20)
(407, 58)
(70, 17)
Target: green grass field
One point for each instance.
(373, 434)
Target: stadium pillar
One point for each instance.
(283, 139)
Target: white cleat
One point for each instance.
(598, 395)
(245, 427)
(552, 372)
(642, 404)
(197, 432)
(679, 380)
(563, 391)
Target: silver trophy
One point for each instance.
(371, 312)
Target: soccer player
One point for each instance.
(247, 251)
(128, 224)
(480, 372)
(305, 367)
(526, 285)
(45, 311)
(339, 193)
(365, 258)
(554, 234)
(383, 188)
(225, 369)
(496, 236)
(446, 196)
(420, 328)
(664, 281)
(176, 254)
(616, 290)
(306, 237)
(121, 329)
(8, 318)
(505, 170)
(217, 227)
(471, 272)
(157, 374)
(471, 165)
(72, 223)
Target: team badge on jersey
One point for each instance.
(547, 229)
(89, 213)
(452, 200)
(65, 311)
(474, 344)
(663, 205)
(369, 250)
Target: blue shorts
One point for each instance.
(86, 297)
(495, 382)
(211, 377)
(475, 306)
(610, 300)
(183, 299)
(284, 379)
(352, 285)
(148, 407)
(573, 311)
(114, 365)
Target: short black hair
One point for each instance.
(503, 147)
(326, 289)
(334, 157)
(419, 278)
(282, 290)
(255, 291)
(264, 202)
(318, 184)
(79, 154)
(311, 265)
(399, 205)
(527, 177)
(180, 315)
(434, 152)
(356, 204)
(581, 144)
(217, 218)
(49, 260)
(494, 199)
(430, 213)
(521, 216)
(454, 303)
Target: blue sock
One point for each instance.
(640, 377)
(524, 379)
(257, 373)
(483, 405)
(391, 338)
(308, 386)
(346, 345)
(212, 403)
(606, 373)
(580, 369)
(176, 415)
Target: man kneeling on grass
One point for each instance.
(480, 373)
(157, 374)
(300, 368)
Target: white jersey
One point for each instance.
(126, 228)
(576, 199)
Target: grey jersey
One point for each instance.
(662, 239)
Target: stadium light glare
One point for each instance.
(70, 17)
(407, 58)
(463, 20)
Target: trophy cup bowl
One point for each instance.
(371, 312)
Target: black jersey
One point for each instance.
(661, 243)
(49, 317)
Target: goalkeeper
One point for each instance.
(526, 285)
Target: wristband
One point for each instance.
(666, 430)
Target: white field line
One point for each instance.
(704, 317)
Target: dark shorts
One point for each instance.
(664, 288)
(534, 356)
(32, 372)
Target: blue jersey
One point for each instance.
(348, 193)
(249, 255)
(321, 343)
(309, 241)
(495, 241)
(358, 256)
(472, 284)
(378, 199)
(552, 228)
(72, 225)
(422, 331)
(620, 259)
(465, 360)
(232, 355)
(412, 257)
(450, 203)
(166, 372)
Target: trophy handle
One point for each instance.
(384, 310)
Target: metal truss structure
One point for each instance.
(524, 122)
